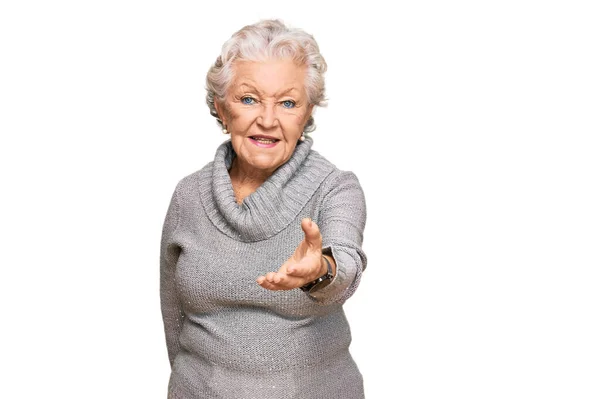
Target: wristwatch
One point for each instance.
(321, 282)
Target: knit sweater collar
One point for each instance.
(274, 205)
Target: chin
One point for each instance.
(267, 163)
(266, 166)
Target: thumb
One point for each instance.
(312, 233)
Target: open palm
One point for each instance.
(303, 266)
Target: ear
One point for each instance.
(309, 111)
(220, 113)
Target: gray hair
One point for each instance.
(265, 40)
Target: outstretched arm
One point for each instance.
(339, 237)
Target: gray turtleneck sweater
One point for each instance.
(227, 337)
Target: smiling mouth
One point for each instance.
(263, 140)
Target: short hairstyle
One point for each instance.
(268, 39)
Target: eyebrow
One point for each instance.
(252, 88)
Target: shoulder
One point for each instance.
(192, 181)
(336, 176)
(341, 203)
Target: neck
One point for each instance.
(246, 179)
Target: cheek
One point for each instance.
(296, 120)
(304, 117)
(243, 117)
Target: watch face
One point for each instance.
(321, 284)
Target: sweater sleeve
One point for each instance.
(342, 223)
(172, 313)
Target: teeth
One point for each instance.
(264, 141)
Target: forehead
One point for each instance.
(270, 77)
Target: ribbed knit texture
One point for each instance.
(227, 337)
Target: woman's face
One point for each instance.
(265, 111)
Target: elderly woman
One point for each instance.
(262, 246)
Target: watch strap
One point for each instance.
(327, 276)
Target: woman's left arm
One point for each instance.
(342, 223)
(338, 237)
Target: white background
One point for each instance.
(472, 126)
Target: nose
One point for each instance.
(267, 117)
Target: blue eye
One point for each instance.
(289, 104)
(248, 100)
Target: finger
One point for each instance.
(274, 286)
(273, 277)
(312, 233)
(269, 286)
(285, 283)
